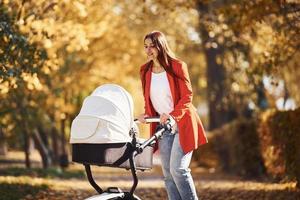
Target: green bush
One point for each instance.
(236, 146)
(269, 145)
(206, 155)
(43, 173)
(279, 133)
(14, 191)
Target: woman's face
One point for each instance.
(150, 49)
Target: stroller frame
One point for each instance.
(135, 149)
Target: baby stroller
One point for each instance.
(105, 134)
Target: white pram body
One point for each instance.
(101, 134)
(104, 133)
(106, 116)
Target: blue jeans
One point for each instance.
(175, 166)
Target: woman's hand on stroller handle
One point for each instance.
(141, 119)
(165, 118)
(145, 119)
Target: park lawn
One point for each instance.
(18, 183)
(13, 188)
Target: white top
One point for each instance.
(160, 93)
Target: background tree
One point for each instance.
(54, 53)
(83, 48)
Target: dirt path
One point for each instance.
(210, 186)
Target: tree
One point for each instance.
(82, 48)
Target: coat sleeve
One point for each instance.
(142, 69)
(185, 91)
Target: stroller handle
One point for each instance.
(156, 136)
(148, 120)
(170, 121)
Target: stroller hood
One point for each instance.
(106, 116)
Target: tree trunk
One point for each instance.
(262, 101)
(41, 147)
(63, 160)
(55, 140)
(3, 145)
(26, 148)
(219, 111)
(215, 88)
(55, 137)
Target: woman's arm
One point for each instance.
(185, 91)
(143, 82)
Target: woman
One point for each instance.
(168, 93)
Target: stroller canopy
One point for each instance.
(106, 116)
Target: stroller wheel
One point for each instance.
(129, 197)
(114, 196)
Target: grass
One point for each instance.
(14, 191)
(19, 182)
(43, 173)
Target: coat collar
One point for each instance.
(170, 80)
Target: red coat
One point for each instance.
(191, 131)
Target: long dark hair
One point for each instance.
(165, 54)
